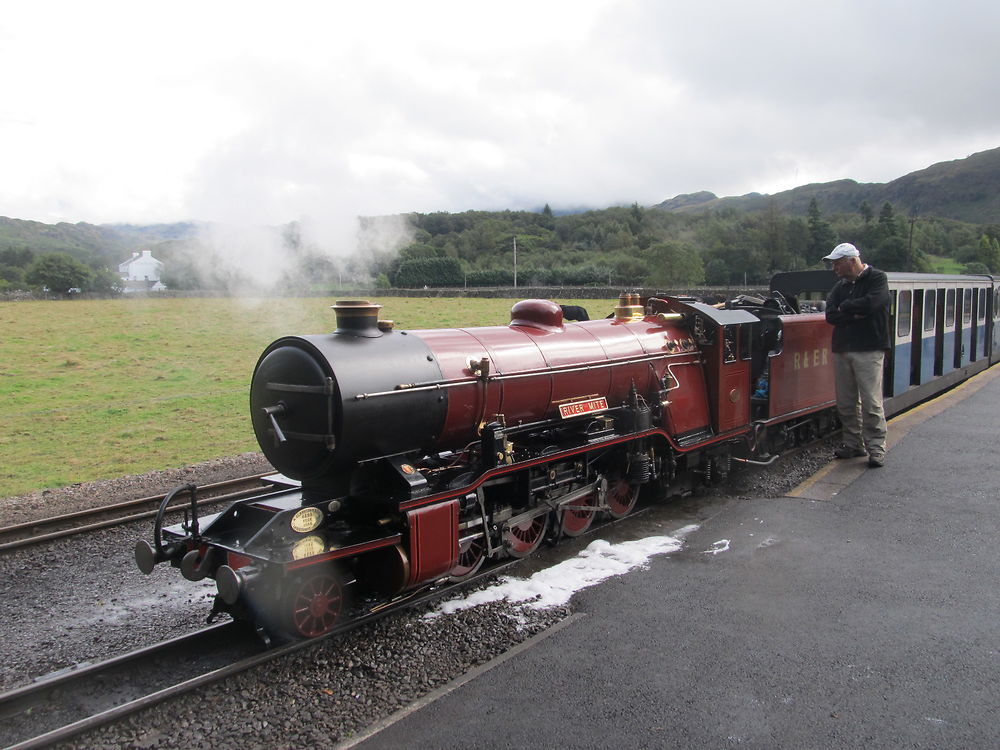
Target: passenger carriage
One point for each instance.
(944, 328)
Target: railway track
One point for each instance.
(78, 699)
(55, 527)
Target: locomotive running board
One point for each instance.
(694, 437)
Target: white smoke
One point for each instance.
(306, 255)
(244, 258)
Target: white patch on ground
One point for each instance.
(720, 546)
(170, 595)
(553, 587)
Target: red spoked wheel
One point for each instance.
(315, 603)
(523, 538)
(622, 496)
(577, 515)
(471, 554)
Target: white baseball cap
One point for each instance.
(843, 250)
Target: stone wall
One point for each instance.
(714, 294)
(556, 293)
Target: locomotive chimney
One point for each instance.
(356, 317)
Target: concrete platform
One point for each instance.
(863, 610)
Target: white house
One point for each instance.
(141, 272)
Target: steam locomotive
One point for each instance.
(413, 457)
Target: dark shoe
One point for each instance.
(876, 462)
(844, 452)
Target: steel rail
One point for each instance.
(68, 692)
(11, 536)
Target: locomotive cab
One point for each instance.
(725, 337)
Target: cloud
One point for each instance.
(247, 113)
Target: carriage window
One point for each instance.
(981, 313)
(967, 306)
(949, 308)
(996, 304)
(930, 307)
(904, 310)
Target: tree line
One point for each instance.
(57, 272)
(635, 246)
(626, 246)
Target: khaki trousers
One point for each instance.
(859, 399)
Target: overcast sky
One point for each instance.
(250, 112)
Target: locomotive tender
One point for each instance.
(419, 455)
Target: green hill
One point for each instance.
(964, 190)
(104, 244)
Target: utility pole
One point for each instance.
(515, 261)
(909, 247)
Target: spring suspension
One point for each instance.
(720, 465)
(640, 468)
(716, 468)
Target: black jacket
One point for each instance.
(859, 312)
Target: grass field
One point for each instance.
(99, 389)
(943, 264)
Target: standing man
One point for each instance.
(858, 310)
